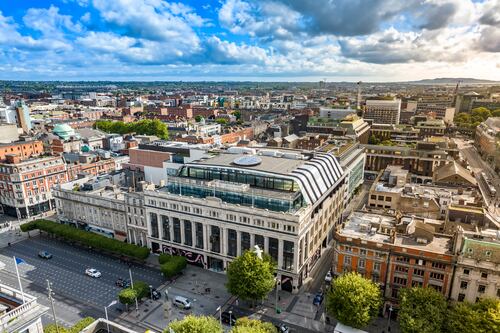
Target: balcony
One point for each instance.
(17, 318)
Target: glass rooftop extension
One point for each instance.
(237, 193)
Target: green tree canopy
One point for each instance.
(353, 300)
(481, 317)
(422, 310)
(77, 328)
(249, 277)
(195, 324)
(237, 114)
(142, 127)
(198, 118)
(246, 324)
(127, 296)
(495, 113)
(221, 121)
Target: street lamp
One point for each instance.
(132, 286)
(219, 308)
(276, 298)
(151, 291)
(389, 319)
(230, 319)
(106, 313)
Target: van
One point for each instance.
(182, 302)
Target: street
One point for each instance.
(478, 165)
(76, 295)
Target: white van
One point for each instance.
(182, 302)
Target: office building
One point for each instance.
(383, 111)
(286, 202)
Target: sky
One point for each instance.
(249, 40)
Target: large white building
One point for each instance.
(286, 202)
(383, 111)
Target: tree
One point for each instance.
(77, 328)
(198, 118)
(422, 310)
(237, 114)
(481, 317)
(495, 113)
(246, 324)
(170, 266)
(127, 296)
(195, 324)
(249, 277)
(353, 300)
(221, 121)
(373, 140)
(481, 112)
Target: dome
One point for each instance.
(63, 131)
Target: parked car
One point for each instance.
(182, 302)
(228, 318)
(318, 298)
(282, 328)
(92, 272)
(45, 255)
(156, 295)
(328, 277)
(122, 283)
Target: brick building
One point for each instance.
(21, 149)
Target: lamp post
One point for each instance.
(230, 319)
(132, 286)
(389, 319)
(106, 313)
(220, 314)
(151, 291)
(276, 297)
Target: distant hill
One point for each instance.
(450, 80)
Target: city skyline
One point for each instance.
(237, 40)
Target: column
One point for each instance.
(206, 243)
(238, 243)
(266, 245)
(193, 234)
(252, 241)
(280, 253)
(223, 241)
(160, 226)
(183, 237)
(171, 228)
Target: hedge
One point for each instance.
(171, 265)
(87, 238)
(77, 328)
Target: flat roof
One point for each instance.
(278, 165)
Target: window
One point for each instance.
(376, 267)
(197, 211)
(177, 230)
(484, 275)
(466, 271)
(362, 252)
(373, 196)
(244, 219)
(438, 265)
(232, 246)
(215, 239)
(436, 287)
(199, 235)
(400, 280)
(288, 251)
(347, 261)
(416, 283)
(166, 227)
(214, 214)
(361, 263)
(436, 276)
(403, 259)
(259, 240)
(231, 217)
(380, 197)
(401, 269)
(463, 284)
(245, 241)
(481, 288)
(348, 249)
(389, 199)
(395, 293)
(461, 297)
(188, 233)
(186, 209)
(273, 248)
(418, 272)
(154, 225)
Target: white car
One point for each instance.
(328, 277)
(92, 272)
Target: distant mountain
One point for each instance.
(451, 80)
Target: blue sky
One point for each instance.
(279, 40)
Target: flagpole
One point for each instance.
(19, 279)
